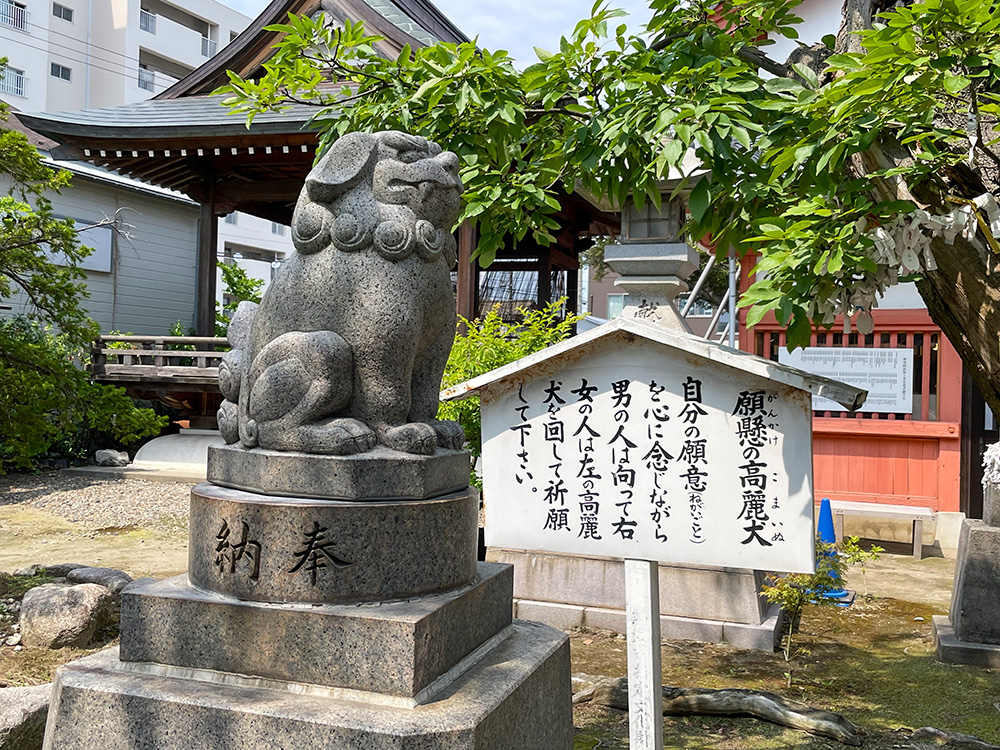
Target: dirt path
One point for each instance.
(29, 536)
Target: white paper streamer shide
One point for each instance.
(651, 458)
(902, 247)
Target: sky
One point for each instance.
(514, 25)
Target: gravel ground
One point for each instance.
(100, 503)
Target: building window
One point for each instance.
(61, 11)
(208, 47)
(61, 71)
(12, 81)
(147, 21)
(231, 218)
(616, 303)
(146, 79)
(277, 228)
(14, 15)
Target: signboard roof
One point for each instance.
(849, 396)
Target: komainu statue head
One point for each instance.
(347, 348)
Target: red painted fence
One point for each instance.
(903, 459)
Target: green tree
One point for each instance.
(240, 287)
(45, 396)
(489, 343)
(842, 175)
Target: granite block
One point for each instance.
(517, 697)
(951, 650)
(380, 474)
(276, 549)
(396, 648)
(764, 636)
(975, 607)
(724, 594)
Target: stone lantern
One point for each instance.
(653, 262)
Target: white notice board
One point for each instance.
(636, 452)
(887, 374)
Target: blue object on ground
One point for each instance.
(828, 536)
(825, 528)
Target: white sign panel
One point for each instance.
(633, 451)
(887, 374)
(100, 239)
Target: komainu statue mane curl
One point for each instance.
(347, 347)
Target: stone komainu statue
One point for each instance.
(349, 343)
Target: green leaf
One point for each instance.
(699, 199)
(808, 75)
(954, 84)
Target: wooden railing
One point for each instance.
(181, 359)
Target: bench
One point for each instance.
(912, 513)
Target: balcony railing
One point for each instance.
(14, 16)
(147, 80)
(147, 21)
(208, 47)
(13, 82)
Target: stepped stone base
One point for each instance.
(517, 697)
(379, 474)
(765, 636)
(715, 605)
(395, 648)
(951, 650)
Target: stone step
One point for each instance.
(394, 648)
(517, 697)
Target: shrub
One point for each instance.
(489, 343)
(46, 398)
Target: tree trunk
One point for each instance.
(963, 298)
(963, 294)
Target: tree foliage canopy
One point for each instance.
(45, 396)
(844, 179)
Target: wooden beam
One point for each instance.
(208, 241)
(544, 279)
(468, 278)
(259, 192)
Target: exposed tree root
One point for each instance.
(931, 737)
(613, 693)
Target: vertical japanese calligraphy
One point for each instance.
(662, 460)
(229, 552)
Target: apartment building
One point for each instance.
(87, 54)
(65, 55)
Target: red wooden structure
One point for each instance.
(899, 459)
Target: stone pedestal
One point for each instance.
(716, 605)
(362, 624)
(971, 632)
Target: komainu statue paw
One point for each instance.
(228, 418)
(413, 437)
(450, 434)
(337, 437)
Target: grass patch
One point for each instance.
(873, 663)
(15, 587)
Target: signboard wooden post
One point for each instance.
(645, 694)
(636, 442)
